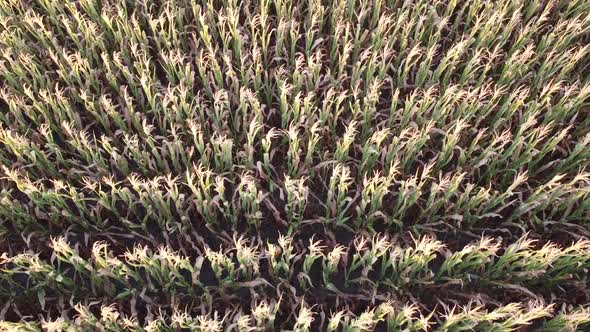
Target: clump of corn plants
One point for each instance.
(339, 165)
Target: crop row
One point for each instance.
(370, 264)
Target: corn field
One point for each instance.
(307, 165)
